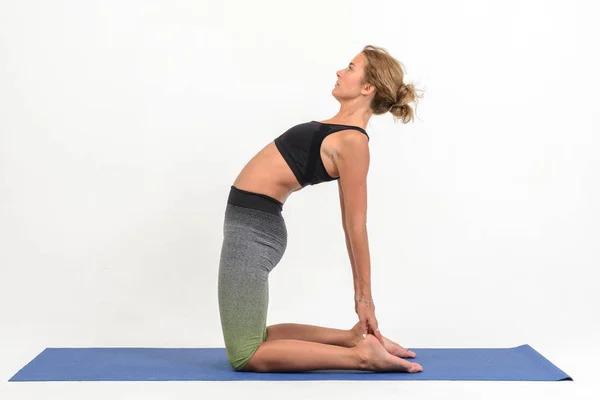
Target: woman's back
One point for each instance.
(280, 168)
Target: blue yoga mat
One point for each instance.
(521, 363)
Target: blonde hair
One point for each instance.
(391, 93)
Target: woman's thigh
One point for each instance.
(253, 244)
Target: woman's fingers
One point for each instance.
(364, 328)
(375, 328)
(379, 336)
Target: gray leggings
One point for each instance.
(254, 241)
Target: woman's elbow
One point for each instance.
(355, 225)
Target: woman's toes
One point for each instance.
(416, 368)
(395, 349)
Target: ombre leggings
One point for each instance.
(254, 241)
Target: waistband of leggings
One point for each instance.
(257, 201)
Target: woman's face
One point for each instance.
(350, 79)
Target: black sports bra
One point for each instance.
(300, 146)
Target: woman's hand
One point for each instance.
(367, 320)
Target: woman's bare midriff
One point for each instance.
(268, 173)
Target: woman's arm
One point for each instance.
(348, 245)
(352, 160)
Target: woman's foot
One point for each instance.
(392, 347)
(374, 357)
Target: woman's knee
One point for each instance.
(240, 358)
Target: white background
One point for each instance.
(124, 123)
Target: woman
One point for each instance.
(255, 235)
